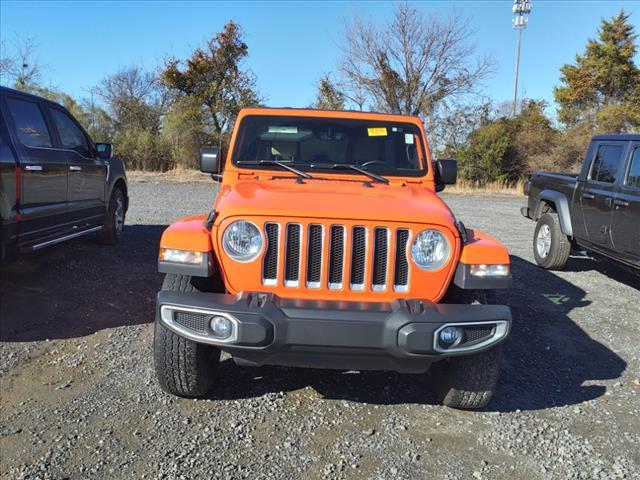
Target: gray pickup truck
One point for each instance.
(597, 210)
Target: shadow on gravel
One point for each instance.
(546, 362)
(549, 358)
(605, 267)
(79, 287)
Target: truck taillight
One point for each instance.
(526, 187)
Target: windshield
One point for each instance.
(309, 143)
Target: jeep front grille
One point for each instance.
(337, 257)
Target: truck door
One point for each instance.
(599, 192)
(625, 222)
(43, 169)
(87, 173)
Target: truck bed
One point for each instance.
(564, 183)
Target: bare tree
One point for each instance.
(22, 69)
(134, 98)
(450, 133)
(412, 64)
(5, 61)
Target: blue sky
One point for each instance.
(290, 43)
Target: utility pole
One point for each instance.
(521, 10)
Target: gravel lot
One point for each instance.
(80, 400)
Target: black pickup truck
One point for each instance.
(597, 210)
(55, 182)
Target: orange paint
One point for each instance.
(261, 195)
(482, 248)
(187, 234)
(248, 276)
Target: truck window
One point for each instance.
(633, 177)
(386, 148)
(71, 136)
(606, 163)
(30, 125)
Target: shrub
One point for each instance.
(143, 150)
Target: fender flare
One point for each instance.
(189, 234)
(481, 248)
(562, 209)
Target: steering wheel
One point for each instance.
(373, 162)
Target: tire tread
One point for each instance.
(183, 367)
(466, 382)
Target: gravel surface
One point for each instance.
(80, 399)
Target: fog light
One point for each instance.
(449, 335)
(221, 327)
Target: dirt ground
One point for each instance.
(79, 398)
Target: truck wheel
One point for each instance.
(551, 247)
(183, 367)
(114, 221)
(467, 382)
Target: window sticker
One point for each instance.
(377, 132)
(278, 129)
(408, 138)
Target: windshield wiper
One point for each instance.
(301, 175)
(356, 168)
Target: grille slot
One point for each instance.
(270, 266)
(193, 321)
(292, 263)
(380, 260)
(336, 257)
(401, 266)
(358, 257)
(314, 256)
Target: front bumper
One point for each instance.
(267, 330)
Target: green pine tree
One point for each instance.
(602, 87)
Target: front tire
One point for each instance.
(466, 382)
(114, 221)
(184, 368)
(551, 247)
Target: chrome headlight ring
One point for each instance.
(242, 241)
(430, 250)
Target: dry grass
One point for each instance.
(178, 175)
(463, 187)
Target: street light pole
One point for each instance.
(521, 10)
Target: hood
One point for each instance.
(317, 198)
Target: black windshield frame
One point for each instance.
(390, 138)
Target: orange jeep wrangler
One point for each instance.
(328, 247)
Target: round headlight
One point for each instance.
(430, 250)
(242, 241)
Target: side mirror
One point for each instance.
(446, 173)
(105, 151)
(210, 160)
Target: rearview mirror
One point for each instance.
(105, 151)
(210, 160)
(446, 173)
